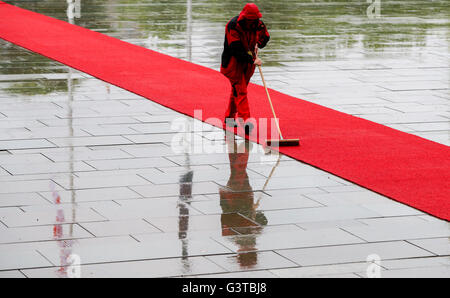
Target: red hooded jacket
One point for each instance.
(242, 33)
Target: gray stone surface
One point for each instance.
(87, 168)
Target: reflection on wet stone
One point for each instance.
(237, 196)
(129, 205)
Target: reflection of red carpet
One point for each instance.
(401, 166)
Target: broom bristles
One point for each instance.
(284, 142)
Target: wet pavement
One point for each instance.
(89, 171)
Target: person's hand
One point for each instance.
(258, 61)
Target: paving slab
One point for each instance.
(118, 228)
(352, 253)
(424, 272)
(41, 233)
(21, 199)
(240, 274)
(251, 261)
(11, 274)
(142, 269)
(337, 270)
(21, 260)
(389, 232)
(92, 195)
(298, 239)
(165, 248)
(100, 181)
(439, 246)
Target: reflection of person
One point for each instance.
(244, 34)
(237, 197)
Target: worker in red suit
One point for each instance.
(244, 35)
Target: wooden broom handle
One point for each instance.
(270, 101)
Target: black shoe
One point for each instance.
(230, 122)
(248, 127)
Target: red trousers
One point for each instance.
(239, 76)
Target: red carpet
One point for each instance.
(401, 166)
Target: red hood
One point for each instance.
(250, 12)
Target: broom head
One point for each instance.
(283, 142)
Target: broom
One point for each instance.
(281, 141)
